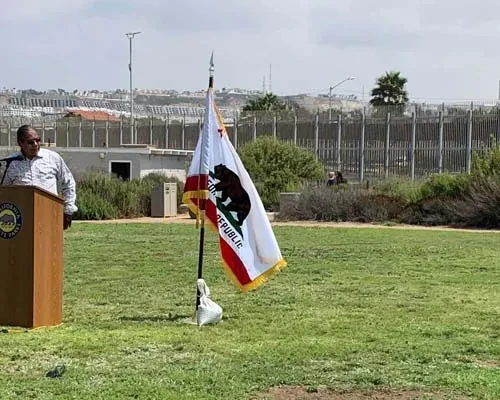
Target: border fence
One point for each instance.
(363, 144)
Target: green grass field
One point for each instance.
(355, 308)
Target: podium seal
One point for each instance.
(10, 220)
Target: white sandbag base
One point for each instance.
(209, 312)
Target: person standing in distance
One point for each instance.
(43, 168)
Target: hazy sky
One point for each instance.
(448, 49)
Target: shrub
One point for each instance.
(468, 200)
(276, 167)
(429, 212)
(487, 163)
(91, 206)
(444, 185)
(342, 204)
(402, 189)
(102, 196)
(480, 205)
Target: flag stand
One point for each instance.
(200, 253)
(219, 188)
(202, 203)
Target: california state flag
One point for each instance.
(218, 183)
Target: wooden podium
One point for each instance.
(31, 257)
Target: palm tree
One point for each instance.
(268, 102)
(390, 90)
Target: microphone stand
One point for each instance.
(7, 162)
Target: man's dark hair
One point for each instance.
(22, 132)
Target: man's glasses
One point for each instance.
(33, 141)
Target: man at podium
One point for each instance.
(43, 168)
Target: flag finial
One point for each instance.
(211, 70)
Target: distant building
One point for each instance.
(92, 115)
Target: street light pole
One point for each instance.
(133, 139)
(350, 78)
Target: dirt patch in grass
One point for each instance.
(304, 393)
(487, 363)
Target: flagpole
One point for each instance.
(202, 201)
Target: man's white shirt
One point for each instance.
(45, 171)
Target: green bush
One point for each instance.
(467, 200)
(402, 189)
(487, 163)
(102, 196)
(91, 206)
(436, 186)
(276, 167)
(444, 185)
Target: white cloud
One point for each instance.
(447, 50)
(26, 11)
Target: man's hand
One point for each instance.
(67, 221)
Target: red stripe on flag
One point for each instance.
(212, 213)
(193, 183)
(229, 256)
(233, 261)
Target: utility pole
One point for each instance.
(270, 81)
(130, 36)
(350, 78)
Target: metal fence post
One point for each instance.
(295, 129)
(316, 135)
(183, 133)
(413, 141)
(93, 133)
(80, 133)
(254, 128)
(339, 141)
(469, 141)
(43, 130)
(151, 131)
(362, 147)
(387, 145)
(167, 123)
(67, 133)
(9, 127)
(275, 128)
(121, 130)
(497, 135)
(107, 134)
(235, 132)
(441, 141)
(135, 137)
